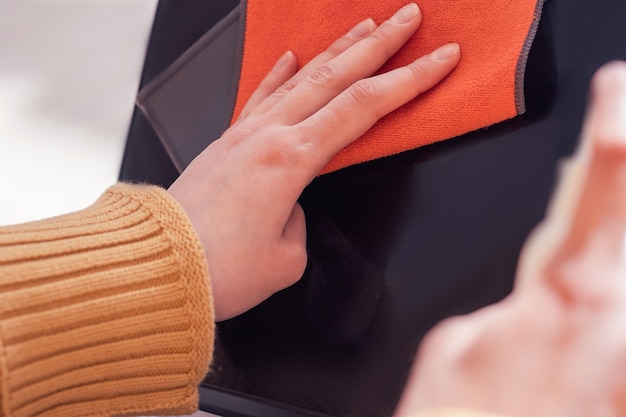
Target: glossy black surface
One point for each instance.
(399, 243)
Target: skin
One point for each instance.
(556, 346)
(241, 192)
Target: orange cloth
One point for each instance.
(486, 88)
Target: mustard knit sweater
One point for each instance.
(108, 311)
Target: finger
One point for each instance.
(603, 197)
(357, 33)
(284, 69)
(365, 102)
(602, 125)
(591, 202)
(359, 61)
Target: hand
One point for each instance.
(241, 193)
(557, 346)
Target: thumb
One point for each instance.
(293, 247)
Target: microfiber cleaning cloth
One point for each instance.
(486, 88)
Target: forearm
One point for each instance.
(104, 311)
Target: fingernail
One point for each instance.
(443, 53)
(405, 14)
(283, 60)
(362, 29)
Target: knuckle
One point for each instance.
(363, 91)
(286, 147)
(326, 73)
(287, 86)
(304, 153)
(277, 152)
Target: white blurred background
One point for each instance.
(69, 71)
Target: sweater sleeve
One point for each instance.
(106, 311)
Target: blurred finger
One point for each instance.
(355, 111)
(357, 33)
(359, 61)
(284, 69)
(594, 201)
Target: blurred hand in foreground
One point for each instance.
(556, 347)
(241, 192)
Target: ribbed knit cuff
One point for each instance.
(106, 311)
